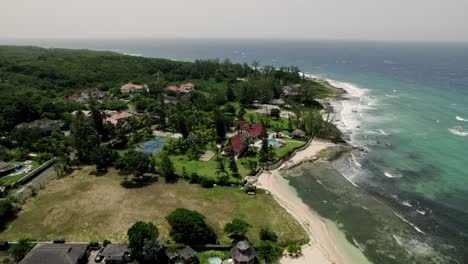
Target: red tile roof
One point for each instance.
(114, 119)
(236, 142)
(130, 86)
(254, 130)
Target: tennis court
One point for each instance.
(152, 146)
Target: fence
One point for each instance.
(276, 165)
(33, 173)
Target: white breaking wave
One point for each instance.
(380, 131)
(406, 203)
(461, 119)
(409, 223)
(133, 54)
(389, 175)
(414, 246)
(458, 131)
(361, 246)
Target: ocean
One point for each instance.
(402, 198)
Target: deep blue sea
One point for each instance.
(411, 117)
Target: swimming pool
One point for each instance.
(272, 142)
(215, 260)
(152, 146)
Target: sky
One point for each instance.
(379, 20)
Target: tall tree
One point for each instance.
(165, 167)
(85, 138)
(237, 229)
(134, 162)
(220, 124)
(138, 233)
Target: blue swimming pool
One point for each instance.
(272, 142)
(152, 146)
(215, 260)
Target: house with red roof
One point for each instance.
(114, 117)
(132, 88)
(84, 96)
(236, 143)
(183, 88)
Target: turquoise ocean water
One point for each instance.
(409, 201)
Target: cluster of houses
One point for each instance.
(184, 88)
(111, 116)
(85, 96)
(76, 253)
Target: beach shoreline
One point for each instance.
(323, 246)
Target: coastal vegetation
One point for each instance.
(144, 141)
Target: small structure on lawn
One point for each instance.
(116, 253)
(185, 255)
(57, 254)
(243, 253)
(298, 134)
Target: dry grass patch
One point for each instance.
(82, 207)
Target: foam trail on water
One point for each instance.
(409, 223)
(389, 175)
(458, 131)
(461, 119)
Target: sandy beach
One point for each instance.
(322, 246)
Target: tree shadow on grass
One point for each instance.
(139, 182)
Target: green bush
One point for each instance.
(105, 242)
(195, 178)
(94, 243)
(207, 182)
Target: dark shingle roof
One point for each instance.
(243, 252)
(186, 253)
(115, 252)
(55, 254)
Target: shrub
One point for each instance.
(207, 182)
(21, 249)
(269, 251)
(194, 178)
(105, 242)
(268, 235)
(94, 243)
(250, 188)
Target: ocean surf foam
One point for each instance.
(459, 118)
(458, 131)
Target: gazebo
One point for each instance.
(243, 253)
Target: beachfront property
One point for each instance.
(57, 254)
(183, 88)
(237, 144)
(132, 88)
(44, 125)
(85, 96)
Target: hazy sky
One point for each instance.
(434, 20)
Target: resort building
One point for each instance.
(243, 253)
(131, 88)
(116, 253)
(57, 254)
(111, 116)
(85, 96)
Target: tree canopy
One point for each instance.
(189, 227)
(138, 233)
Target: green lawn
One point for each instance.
(291, 144)
(203, 168)
(13, 179)
(82, 207)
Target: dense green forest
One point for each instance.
(34, 83)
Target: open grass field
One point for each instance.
(82, 207)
